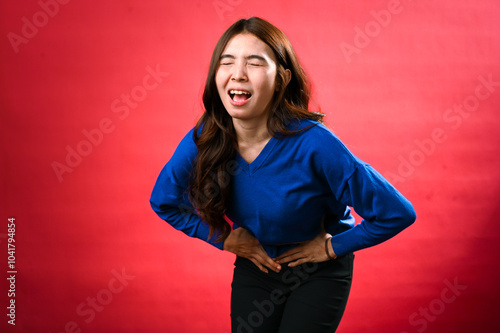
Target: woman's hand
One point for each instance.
(243, 244)
(311, 251)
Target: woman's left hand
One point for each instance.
(310, 251)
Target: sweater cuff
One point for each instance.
(344, 243)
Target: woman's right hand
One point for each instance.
(243, 244)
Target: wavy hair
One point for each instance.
(214, 133)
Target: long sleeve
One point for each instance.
(385, 211)
(169, 198)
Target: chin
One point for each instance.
(235, 111)
(238, 115)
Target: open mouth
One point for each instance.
(239, 96)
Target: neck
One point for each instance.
(251, 132)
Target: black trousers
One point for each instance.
(309, 298)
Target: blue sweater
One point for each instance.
(293, 186)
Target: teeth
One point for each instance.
(238, 92)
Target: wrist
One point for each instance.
(329, 249)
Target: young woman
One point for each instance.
(259, 158)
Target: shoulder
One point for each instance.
(188, 138)
(186, 150)
(187, 144)
(325, 151)
(311, 129)
(319, 137)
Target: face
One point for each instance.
(246, 78)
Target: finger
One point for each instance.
(265, 260)
(298, 262)
(257, 263)
(289, 257)
(262, 260)
(273, 265)
(286, 256)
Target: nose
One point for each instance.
(239, 73)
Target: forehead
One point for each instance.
(247, 44)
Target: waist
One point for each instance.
(274, 250)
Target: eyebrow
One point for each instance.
(252, 56)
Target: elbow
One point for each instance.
(154, 206)
(409, 217)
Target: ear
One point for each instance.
(288, 77)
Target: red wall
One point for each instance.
(412, 87)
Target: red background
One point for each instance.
(382, 100)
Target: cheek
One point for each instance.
(219, 82)
(217, 78)
(272, 76)
(268, 84)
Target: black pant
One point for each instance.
(310, 298)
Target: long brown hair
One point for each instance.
(214, 133)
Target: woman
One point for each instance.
(259, 158)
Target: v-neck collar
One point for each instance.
(255, 165)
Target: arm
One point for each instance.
(170, 201)
(384, 210)
(353, 183)
(169, 198)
